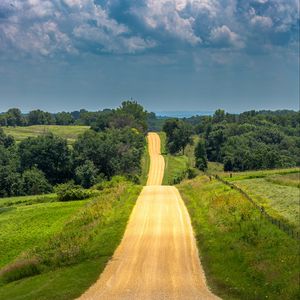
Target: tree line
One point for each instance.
(113, 146)
(99, 120)
(248, 141)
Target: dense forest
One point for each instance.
(247, 141)
(251, 140)
(114, 146)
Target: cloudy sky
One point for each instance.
(167, 54)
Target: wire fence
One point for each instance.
(282, 226)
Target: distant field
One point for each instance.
(259, 173)
(24, 226)
(279, 200)
(277, 190)
(69, 132)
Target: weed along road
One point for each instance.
(157, 258)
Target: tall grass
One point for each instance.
(244, 256)
(27, 200)
(258, 174)
(145, 164)
(280, 201)
(83, 237)
(290, 179)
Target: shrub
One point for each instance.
(35, 182)
(177, 179)
(70, 191)
(104, 184)
(20, 269)
(191, 173)
(86, 174)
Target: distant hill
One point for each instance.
(182, 114)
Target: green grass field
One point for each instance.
(175, 168)
(24, 226)
(276, 190)
(5, 203)
(72, 258)
(243, 255)
(258, 174)
(281, 202)
(69, 132)
(292, 179)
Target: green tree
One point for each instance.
(10, 181)
(64, 118)
(113, 152)
(179, 135)
(14, 117)
(200, 156)
(6, 140)
(49, 153)
(86, 174)
(130, 114)
(219, 116)
(39, 117)
(34, 182)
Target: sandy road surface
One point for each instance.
(157, 258)
(157, 162)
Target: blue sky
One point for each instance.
(167, 54)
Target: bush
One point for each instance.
(35, 182)
(200, 156)
(177, 179)
(104, 184)
(70, 191)
(86, 174)
(191, 173)
(20, 269)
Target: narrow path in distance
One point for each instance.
(157, 258)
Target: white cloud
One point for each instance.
(261, 21)
(166, 15)
(209, 7)
(224, 37)
(48, 27)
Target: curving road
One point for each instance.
(157, 258)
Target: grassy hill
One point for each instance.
(69, 132)
(244, 256)
(60, 241)
(25, 224)
(276, 190)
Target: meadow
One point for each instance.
(276, 190)
(83, 244)
(5, 203)
(69, 132)
(24, 225)
(243, 255)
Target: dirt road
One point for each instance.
(157, 258)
